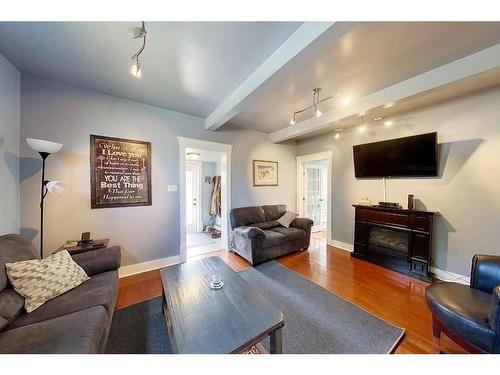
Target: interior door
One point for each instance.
(192, 198)
(315, 195)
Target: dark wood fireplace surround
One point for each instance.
(416, 223)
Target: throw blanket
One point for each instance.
(215, 207)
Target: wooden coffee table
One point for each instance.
(229, 320)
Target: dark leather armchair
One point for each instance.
(470, 315)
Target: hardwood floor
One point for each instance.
(396, 298)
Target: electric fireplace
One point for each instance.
(395, 238)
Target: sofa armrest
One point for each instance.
(302, 223)
(485, 273)
(494, 316)
(250, 232)
(99, 261)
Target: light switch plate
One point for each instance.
(172, 188)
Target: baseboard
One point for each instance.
(450, 276)
(342, 245)
(148, 266)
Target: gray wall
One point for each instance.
(69, 115)
(10, 84)
(467, 193)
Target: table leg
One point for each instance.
(276, 342)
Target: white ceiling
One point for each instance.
(372, 56)
(188, 67)
(193, 67)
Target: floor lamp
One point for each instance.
(45, 148)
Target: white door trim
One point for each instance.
(226, 151)
(328, 156)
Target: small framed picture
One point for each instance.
(265, 173)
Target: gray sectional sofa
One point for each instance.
(258, 237)
(77, 321)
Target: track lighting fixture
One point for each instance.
(316, 101)
(138, 32)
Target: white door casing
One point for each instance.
(225, 150)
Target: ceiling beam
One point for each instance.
(298, 40)
(471, 65)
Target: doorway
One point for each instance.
(193, 196)
(204, 196)
(314, 192)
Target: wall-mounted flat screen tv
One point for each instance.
(415, 156)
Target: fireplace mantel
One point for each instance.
(416, 225)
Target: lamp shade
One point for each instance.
(39, 145)
(55, 187)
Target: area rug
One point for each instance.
(316, 321)
(139, 329)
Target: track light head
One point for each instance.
(136, 69)
(138, 32)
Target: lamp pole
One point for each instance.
(44, 148)
(43, 193)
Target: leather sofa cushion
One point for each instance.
(11, 305)
(79, 332)
(273, 239)
(274, 212)
(261, 225)
(13, 248)
(246, 216)
(273, 224)
(100, 289)
(292, 234)
(464, 311)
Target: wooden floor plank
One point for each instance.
(393, 297)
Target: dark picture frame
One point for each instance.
(264, 164)
(98, 195)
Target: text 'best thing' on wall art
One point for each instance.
(120, 172)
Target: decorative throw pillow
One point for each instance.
(287, 218)
(41, 280)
